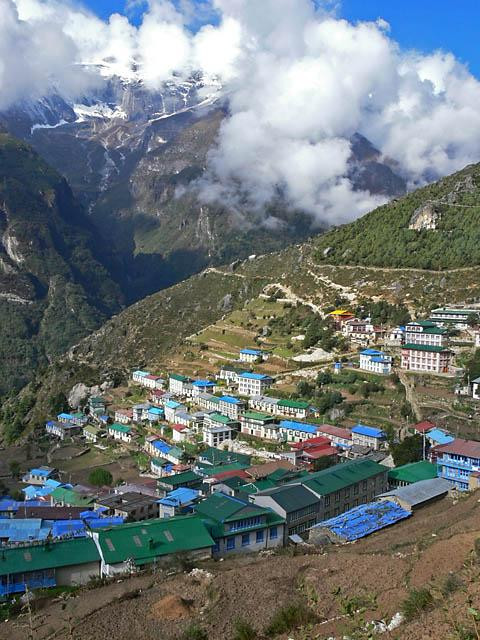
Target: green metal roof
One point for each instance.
(48, 556)
(424, 347)
(435, 331)
(414, 472)
(150, 539)
(179, 377)
(258, 485)
(211, 470)
(121, 428)
(293, 404)
(70, 497)
(181, 478)
(292, 497)
(91, 428)
(216, 456)
(256, 415)
(342, 475)
(218, 417)
(160, 462)
(285, 475)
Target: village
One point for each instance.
(172, 466)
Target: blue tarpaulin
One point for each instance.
(363, 520)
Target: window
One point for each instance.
(364, 485)
(356, 489)
(230, 543)
(273, 533)
(347, 492)
(337, 496)
(259, 536)
(245, 539)
(327, 501)
(216, 548)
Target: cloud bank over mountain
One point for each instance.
(299, 83)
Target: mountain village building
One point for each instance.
(375, 362)
(428, 358)
(253, 384)
(425, 332)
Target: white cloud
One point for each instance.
(299, 83)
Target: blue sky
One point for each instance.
(425, 25)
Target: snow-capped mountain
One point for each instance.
(130, 155)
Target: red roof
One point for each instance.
(311, 443)
(125, 412)
(460, 447)
(179, 427)
(424, 426)
(338, 432)
(321, 452)
(151, 377)
(157, 392)
(231, 474)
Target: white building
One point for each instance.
(425, 332)
(172, 408)
(253, 355)
(264, 404)
(218, 428)
(368, 436)
(259, 425)
(253, 384)
(375, 362)
(229, 374)
(396, 337)
(124, 416)
(138, 376)
(177, 384)
(180, 433)
(476, 389)
(208, 402)
(451, 316)
(477, 339)
(231, 406)
(120, 432)
(428, 358)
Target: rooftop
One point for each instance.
(460, 447)
(293, 404)
(371, 432)
(257, 415)
(332, 430)
(423, 426)
(419, 492)
(147, 540)
(291, 497)
(424, 347)
(413, 472)
(298, 426)
(119, 428)
(48, 556)
(441, 437)
(254, 376)
(342, 475)
(363, 520)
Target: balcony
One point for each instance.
(469, 465)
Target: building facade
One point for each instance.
(426, 358)
(375, 362)
(457, 461)
(253, 384)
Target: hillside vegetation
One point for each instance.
(398, 234)
(54, 285)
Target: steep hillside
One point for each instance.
(54, 287)
(436, 227)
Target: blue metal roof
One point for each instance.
(23, 530)
(100, 523)
(156, 411)
(254, 376)
(141, 373)
(298, 426)
(203, 383)
(40, 472)
(65, 416)
(363, 520)
(230, 400)
(161, 446)
(252, 352)
(363, 430)
(439, 437)
(171, 404)
(74, 528)
(180, 496)
(370, 352)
